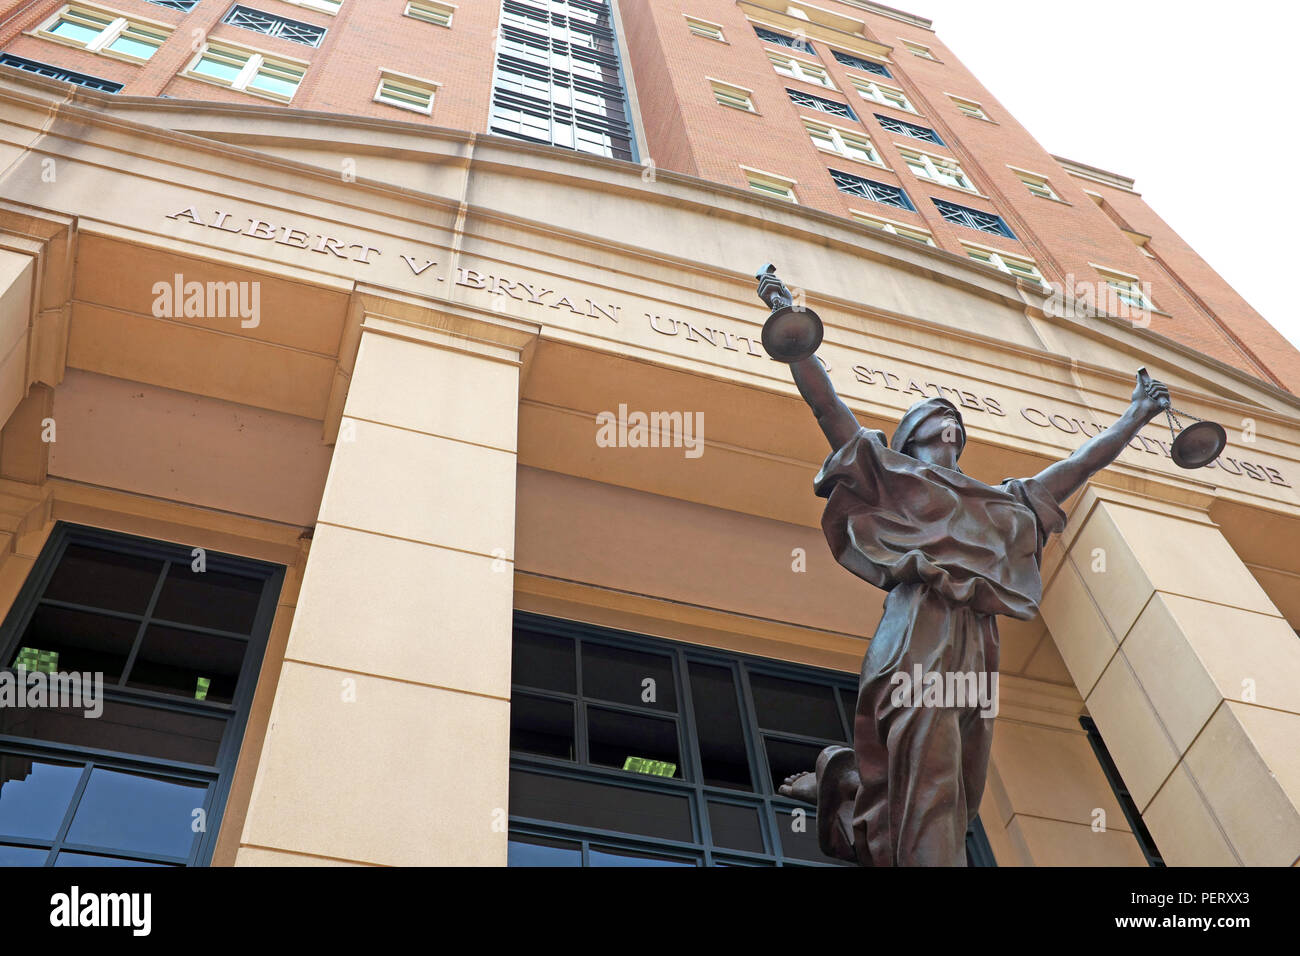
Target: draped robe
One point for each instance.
(952, 553)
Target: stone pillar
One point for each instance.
(1189, 670)
(1047, 802)
(388, 740)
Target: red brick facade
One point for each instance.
(1097, 221)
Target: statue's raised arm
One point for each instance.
(1065, 477)
(799, 331)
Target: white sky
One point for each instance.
(1127, 84)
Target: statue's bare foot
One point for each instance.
(800, 786)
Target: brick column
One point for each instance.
(1189, 670)
(388, 740)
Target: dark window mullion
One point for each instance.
(144, 624)
(77, 794)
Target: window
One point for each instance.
(405, 92)
(972, 218)
(631, 751)
(1037, 185)
(771, 36)
(918, 49)
(703, 28)
(801, 70)
(247, 71)
(59, 73)
(818, 103)
(842, 142)
(904, 128)
(968, 107)
(869, 189)
(1129, 289)
(896, 228)
(558, 77)
(858, 63)
(439, 14)
(103, 32)
(936, 169)
(178, 653)
(769, 184)
(185, 6)
(1122, 795)
(737, 97)
(305, 33)
(1004, 262)
(324, 6)
(882, 94)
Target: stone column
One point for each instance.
(388, 740)
(1189, 670)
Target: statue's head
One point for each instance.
(933, 431)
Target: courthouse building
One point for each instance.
(311, 314)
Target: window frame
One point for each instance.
(256, 60)
(218, 776)
(998, 260)
(330, 8)
(725, 89)
(919, 50)
(916, 234)
(802, 70)
(1032, 180)
(386, 76)
(933, 163)
(450, 8)
(1127, 287)
(713, 31)
(772, 809)
(870, 188)
(850, 61)
(966, 217)
(771, 180)
(839, 136)
(880, 93)
(976, 110)
(118, 25)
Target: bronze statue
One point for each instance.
(952, 553)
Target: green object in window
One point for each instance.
(201, 688)
(659, 768)
(35, 659)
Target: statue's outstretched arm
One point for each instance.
(1066, 477)
(838, 424)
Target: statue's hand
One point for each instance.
(1150, 397)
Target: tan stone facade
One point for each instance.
(409, 428)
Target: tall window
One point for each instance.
(558, 77)
(630, 751)
(143, 782)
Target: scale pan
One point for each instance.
(790, 334)
(1199, 444)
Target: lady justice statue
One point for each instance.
(952, 553)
